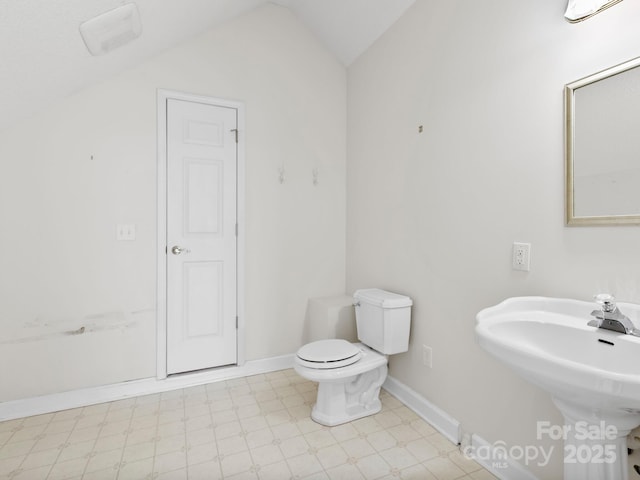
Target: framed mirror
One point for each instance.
(602, 147)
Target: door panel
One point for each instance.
(201, 238)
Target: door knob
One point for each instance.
(177, 250)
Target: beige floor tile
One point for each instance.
(49, 441)
(4, 437)
(443, 468)
(332, 456)
(249, 428)
(136, 470)
(111, 442)
(382, 440)
(293, 447)
(141, 435)
(287, 430)
(260, 438)
(465, 464)
(40, 459)
(275, 471)
(399, 457)
(31, 474)
(417, 472)
(227, 430)
(345, 472)
(170, 462)
(198, 437)
(64, 470)
(266, 455)
(174, 443)
(11, 464)
(253, 424)
(206, 452)
(344, 432)
(138, 451)
(233, 445)
(320, 438)
(373, 467)
(358, 447)
(482, 474)
(205, 471)
(102, 460)
(180, 474)
(304, 465)
(62, 426)
(422, 449)
(72, 451)
(235, 463)
(83, 434)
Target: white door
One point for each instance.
(201, 236)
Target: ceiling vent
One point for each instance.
(111, 29)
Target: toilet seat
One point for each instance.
(328, 354)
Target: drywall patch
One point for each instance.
(94, 323)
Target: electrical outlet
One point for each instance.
(521, 259)
(427, 356)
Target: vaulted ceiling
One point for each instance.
(43, 57)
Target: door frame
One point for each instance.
(161, 245)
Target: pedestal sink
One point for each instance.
(592, 374)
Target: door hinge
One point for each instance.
(235, 130)
(236, 229)
(236, 322)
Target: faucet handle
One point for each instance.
(606, 301)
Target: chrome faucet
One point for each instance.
(610, 317)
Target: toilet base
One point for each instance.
(349, 399)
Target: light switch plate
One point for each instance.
(126, 232)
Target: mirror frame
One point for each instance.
(569, 99)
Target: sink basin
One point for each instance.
(548, 341)
(592, 374)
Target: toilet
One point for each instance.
(350, 375)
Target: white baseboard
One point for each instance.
(440, 420)
(449, 427)
(119, 391)
(504, 469)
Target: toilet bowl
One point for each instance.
(350, 375)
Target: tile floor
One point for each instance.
(250, 428)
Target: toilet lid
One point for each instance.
(328, 354)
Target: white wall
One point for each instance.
(434, 215)
(61, 267)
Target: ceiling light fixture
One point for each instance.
(579, 10)
(111, 29)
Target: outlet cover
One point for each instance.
(427, 356)
(521, 258)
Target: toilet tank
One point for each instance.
(383, 320)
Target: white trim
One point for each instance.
(440, 420)
(161, 272)
(240, 218)
(119, 391)
(512, 471)
(450, 428)
(161, 243)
